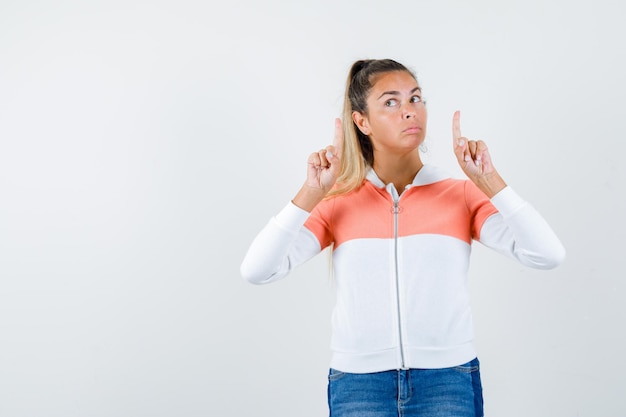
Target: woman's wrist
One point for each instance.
(308, 197)
(491, 184)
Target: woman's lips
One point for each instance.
(412, 129)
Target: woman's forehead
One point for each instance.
(395, 81)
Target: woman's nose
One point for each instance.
(408, 111)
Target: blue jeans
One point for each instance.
(448, 392)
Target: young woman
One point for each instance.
(401, 233)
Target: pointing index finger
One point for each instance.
(338, 141)
(456, 126)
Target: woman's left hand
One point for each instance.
(474, 159)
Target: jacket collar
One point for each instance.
(429, 174)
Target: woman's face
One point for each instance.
(396, 116)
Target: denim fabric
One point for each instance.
(448, 392)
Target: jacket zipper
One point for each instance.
(396, 210)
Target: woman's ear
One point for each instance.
(361, 122)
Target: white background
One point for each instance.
(143, 144)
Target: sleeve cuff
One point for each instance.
(291, 217)
(508, 202)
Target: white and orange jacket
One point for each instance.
(400, 264)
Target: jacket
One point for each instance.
(400, 264)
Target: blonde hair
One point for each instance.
(358, 153)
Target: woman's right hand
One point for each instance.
(323, 168)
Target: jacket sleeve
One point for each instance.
(520, 232)
(282, 244)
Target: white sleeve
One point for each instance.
(282, 244)
(520, 232)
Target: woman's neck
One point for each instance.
(397, 170)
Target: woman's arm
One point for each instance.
(520, 232)
(284, 242)
(517, 230)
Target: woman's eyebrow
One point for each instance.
(395, 93)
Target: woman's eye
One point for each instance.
(416, 99)
(391, 102)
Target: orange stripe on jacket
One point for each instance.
(451, 207)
